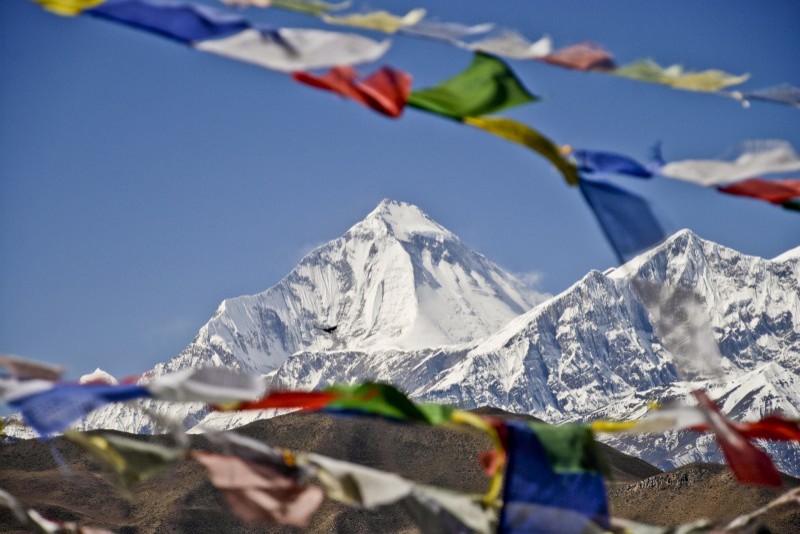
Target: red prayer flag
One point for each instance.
(307, 400)
(749, 464)
(582, 56)
(385, 91)
(774, 191)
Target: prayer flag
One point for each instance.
(53, 410)
(68, 8)
(749, 464)
(131, 460)
(625, 218)
(449, 32)
(310, 7)
(486, 86)
(517, 132)
(359, 485)
(385, 91)
(674, 76)
(793, 205)
(211, 385)
(512, 44)
(581, 56)
(290, 49)
(594, 161)
(554, 481)
(25, 368)
(386, 401)
(750, 159)
(182, 21)
(774, 191)
(381, 21)
(439, 511)
(259, 493)
(779, 94)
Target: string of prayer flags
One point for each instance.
(369, 398)
(381, 21)
(626, 219)
(54, 409)
(554, 480)
(184, 22)
(68, 8)
(773, 191)
(448, 32)
(132, 461)
(293, 49)
(751, 159)
(512, 44)
(260, 493)
(594, 161)
(524, 135)
(585, 56)
(385, 91)
(211, 385)
(25, 368)
(749, 464)
(675, 76)
(488, 85)
(777, 94)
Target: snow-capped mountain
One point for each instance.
(397, 280)
(400, 299)
(591, 351)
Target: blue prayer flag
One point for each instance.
(182, 21)
(593, 162)
(54, 410)
(539, 499)
(626, 219)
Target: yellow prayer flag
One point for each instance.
(381, 21)
(524, 135)
(675, 76)
(68, 8)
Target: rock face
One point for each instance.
(400, 299)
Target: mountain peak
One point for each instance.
(403, 220)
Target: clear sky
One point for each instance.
(142, 182)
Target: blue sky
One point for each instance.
(142, 182)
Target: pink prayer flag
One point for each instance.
(258, 493)
(582, 56)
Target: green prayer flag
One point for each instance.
(487, 86)
(570, 448)
(386, 401)
(792, 205)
